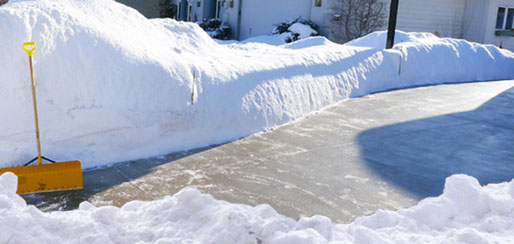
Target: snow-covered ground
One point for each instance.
(115, 86)
(464, 213)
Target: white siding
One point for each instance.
(259, 16)
(197, 13)
(474, 21)
(322, 16)
(443, 16)
(228, 15)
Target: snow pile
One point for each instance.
(464, 213)
(115, 86)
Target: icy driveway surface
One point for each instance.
(386, 150)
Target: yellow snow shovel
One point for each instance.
(55, 176)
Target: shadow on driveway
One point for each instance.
(419, 155)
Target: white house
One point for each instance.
(257, 17)
(497, 27)
(474, 20)
(484, 21)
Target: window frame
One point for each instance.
(505, 18)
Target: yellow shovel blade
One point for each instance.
(47, 177)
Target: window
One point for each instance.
(499, 18)
(231, 4)
(317, 3)
(198, 4)
(510, 19)
(505, 18)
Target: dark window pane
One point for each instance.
(510, 19)
(499, 18)
(317, 3)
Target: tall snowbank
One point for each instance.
(115, 86)
(464, 213)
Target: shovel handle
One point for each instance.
(29, 47)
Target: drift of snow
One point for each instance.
(464, 213)
(115, 86)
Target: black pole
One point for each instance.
(393, 13)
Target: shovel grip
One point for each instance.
(29, 47)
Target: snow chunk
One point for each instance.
(8, 197)
(192, 217)
(8, 183)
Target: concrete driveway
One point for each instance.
(382, 151)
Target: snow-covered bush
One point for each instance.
(298, 29)
(216, 29)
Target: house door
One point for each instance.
(219, 5)
(182, 10)
(190, 13)
(179, 15)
